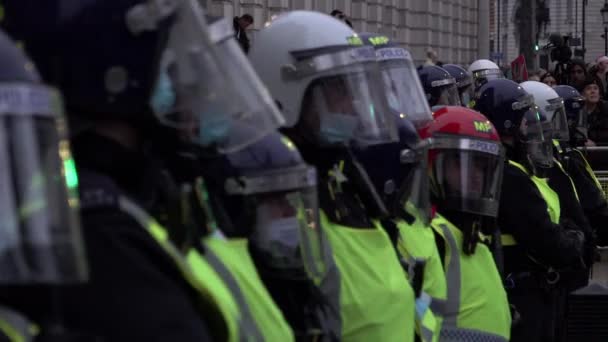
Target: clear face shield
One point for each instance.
(466, 93)
(414, 193)
(287, 231)
(536, 133)
(480, 77)
(467, 174)
(205, 86)
(556, 114)
(40, 236)
(578, 120)
(347, 100)
(446, 93)
(402, 85)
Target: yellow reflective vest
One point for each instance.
(476, 308)
(376, 300)
(417, 241)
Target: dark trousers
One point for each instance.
(542, 312)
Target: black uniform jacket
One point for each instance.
(135, 291)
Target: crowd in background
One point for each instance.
(590, 79)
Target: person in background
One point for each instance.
(541, 72)
(596, 110)
(341, 16)
(599, 71)
(577, 73)
(240, 25)
(431, 57)
(548, 79)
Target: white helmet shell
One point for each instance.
(482, 64)
(484, 70)
(275, 48)
(551, 105)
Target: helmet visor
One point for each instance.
(206, 87)
(466, 95)
(556, 113)
(287, 233)
(467, 174)
(448, 96)
(577, 119)
(349, 104)
(482, 76)
(40, 237)
(537, 136)
(403, 87)
(415, 190)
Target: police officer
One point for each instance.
(264, 199)
(591, 194)
(146, 283)
(552, 107)
(536, 244)
(330, 90)
(439, 86)
(464, 82)
(483, 70)
(465, 163)
(221, 246)
(41, 243)
(398, 172)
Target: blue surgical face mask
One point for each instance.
(163, 98)
(280, 240)
(213, 128)
(337, 127)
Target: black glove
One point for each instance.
(515, 316)
(576, 241)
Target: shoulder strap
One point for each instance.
(247, 320)
(519, 166)
(15, 326)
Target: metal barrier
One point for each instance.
(599, 272)
(598, 159)
(602, 177)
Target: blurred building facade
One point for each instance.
(457, 30)
(579, 20)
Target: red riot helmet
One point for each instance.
(466, 161)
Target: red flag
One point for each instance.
(519, 69)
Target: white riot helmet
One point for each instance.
(322, 76)
(551, 105)
(484, 70)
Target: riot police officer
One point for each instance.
(41, 242)
(483, 70)
(220, 245)
(264, 199)
(552, 107)
(439, 86)
(536, 244)
(464, 82)
(122, 68)
(465, 164)
(398, 172)
(591, 194)
(330, 90)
